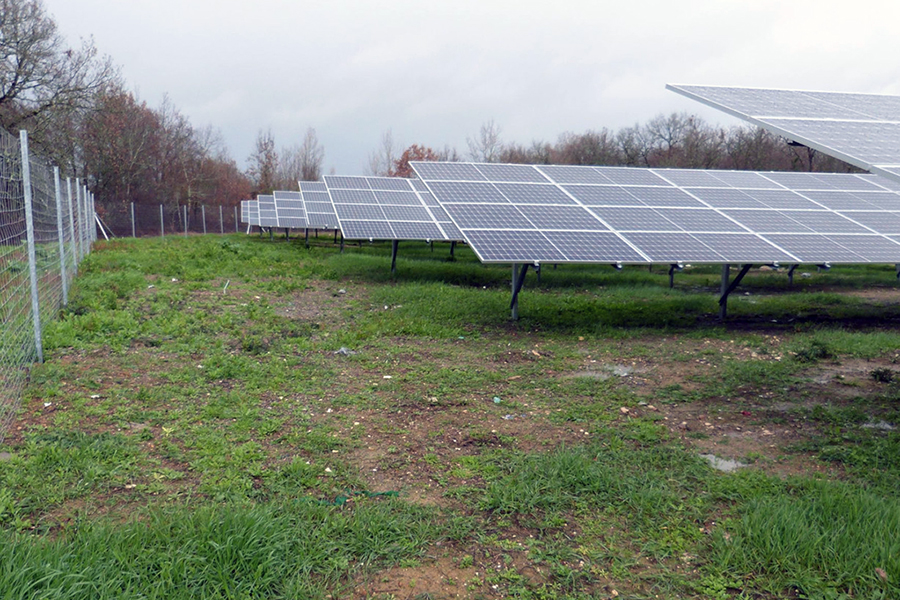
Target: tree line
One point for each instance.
(678, 140)
(80, 114)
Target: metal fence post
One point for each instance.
(203, 214)
(132, 220)
(32, 258)
(221, 221)
(185, 220)
(93, 215)
(72, 226)
(236, 229)
(62, 238)
(79, 246)
(162, 222)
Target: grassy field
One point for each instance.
(234, 417)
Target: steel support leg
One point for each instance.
(394, 245)
(518, 279)
(728, 288)
(794, 268)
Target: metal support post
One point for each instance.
(794, 267)
(132, 221)
(518, 280)
(162, 222)
(32, 257)
(79, 246)
(60, 232)
(727, 288)
(236, 230)
(72, 226)
(395, 244)
(452, 249)
(221, 221)
(185, 220)
(203, 214)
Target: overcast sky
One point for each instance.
(433, 71)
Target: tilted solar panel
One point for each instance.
(630, 215)
(388, 208)
(861, 129)
(290, 210)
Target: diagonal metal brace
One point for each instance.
(520, 280)
(734, 283)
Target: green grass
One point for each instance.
(824, 540)
(193, 426)
(280, 550)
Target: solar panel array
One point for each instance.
(268, 216)
(319, 209)
(534, 214)
(388, 208)
(862, 129)
(253, 212)
(289, 210)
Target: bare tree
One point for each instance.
(41, 79)
(263, 168)
(312, 155)
(487, 146)
(382, 159)
(588, 148)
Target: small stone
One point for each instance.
(624, 410)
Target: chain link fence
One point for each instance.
(46, 229)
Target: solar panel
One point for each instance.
(268, 216)
(861, 129)
(289, 209)
(253, 212)
(388, 208)
(629, 215)
(245, 214)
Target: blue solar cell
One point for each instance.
(389, 183)
(573, 174)
(510, 173)
(594, 246)
(480, 193)
(546, 218)
(529, 193)
(597, 195)
(513, 246)
(446, 171)
(350, 183)
(487, 216)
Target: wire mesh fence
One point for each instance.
(46, 228)
(141, 220)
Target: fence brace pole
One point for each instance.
(32, 258)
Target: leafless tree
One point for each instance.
(42, 80)
(487, 146)
(263, 168)
(312, 155)
(382, 159)
(588, 148)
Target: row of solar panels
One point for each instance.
(362, 208)
(534, 214)
(555, 214)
